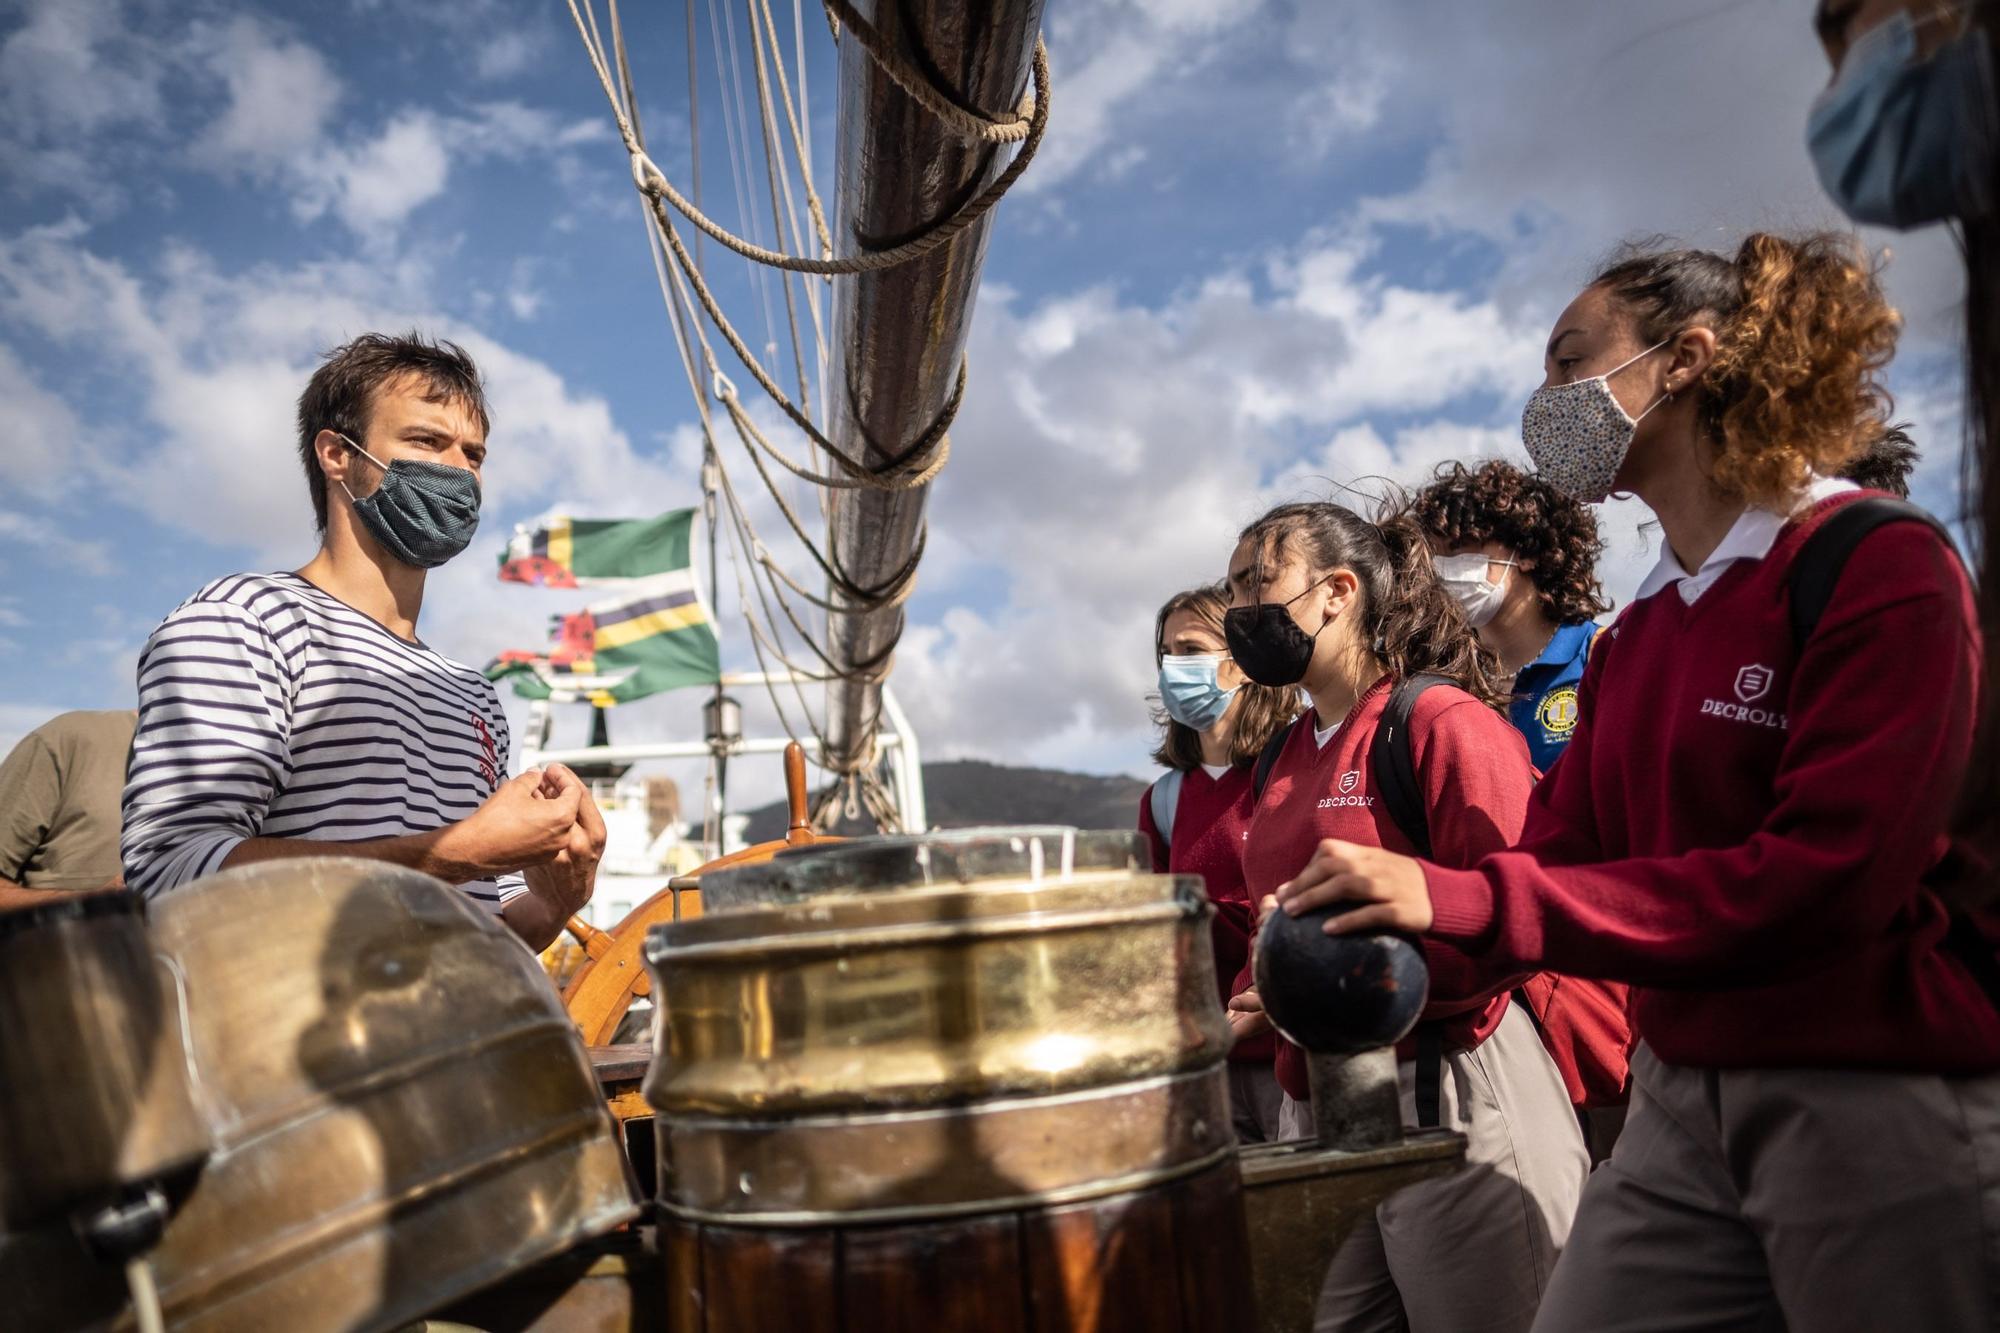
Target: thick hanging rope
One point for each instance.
(974, 126)
(909, 468)
(654, 184)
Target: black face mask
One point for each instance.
(1267, 643)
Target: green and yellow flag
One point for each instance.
(653, 634)
(566, 552)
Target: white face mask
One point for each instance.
(1578, 434)
(1465, 578)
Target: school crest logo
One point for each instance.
(1752, 682)
(1349, 780)
(1557, 712)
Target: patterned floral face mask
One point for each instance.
(1578, 434)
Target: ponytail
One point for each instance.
(1803, 333)
(1408, 619)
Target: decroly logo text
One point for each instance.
(1752, 683)
(1348, 782)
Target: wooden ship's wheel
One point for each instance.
(613, 974)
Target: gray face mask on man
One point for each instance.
(423, 513)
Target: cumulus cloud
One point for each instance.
(40, 437)
(1601, 122)
(1115, 63)
(1110, 450)
(218, 360)
(74, 67)
(49, 538)
(505, 54)
(280, 92)
(374, 184)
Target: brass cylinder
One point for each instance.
(94, 1074)
(402, 1110)
(916, 1026)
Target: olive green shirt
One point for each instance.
(59, 795)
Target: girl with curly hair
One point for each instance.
(1521, 559)
(1213, 723)
(1747, 827)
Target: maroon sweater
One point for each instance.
(1211, 821)
(1742, 831)
(1474, 770)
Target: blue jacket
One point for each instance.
(1544, 707)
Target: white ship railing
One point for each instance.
(897, 739)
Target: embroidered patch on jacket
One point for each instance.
(1557, 712)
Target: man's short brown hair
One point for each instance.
(341, 394)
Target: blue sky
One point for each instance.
(1269, 248)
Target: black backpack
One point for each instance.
(1815, 571)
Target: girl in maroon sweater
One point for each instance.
(1214, 724)
(1747, 829)
(1326, 599)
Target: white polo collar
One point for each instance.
(1749, 538)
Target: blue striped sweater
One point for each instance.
(267, 708)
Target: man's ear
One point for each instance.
(336, 458)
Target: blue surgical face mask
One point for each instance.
(1191, 693)
(1900, 141)
(423, 513)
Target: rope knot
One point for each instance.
(649, 178)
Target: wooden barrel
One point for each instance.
(402, 1112)
(966, 1081)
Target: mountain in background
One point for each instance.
(961, 793)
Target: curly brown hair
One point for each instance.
(1261, 710)
(1553, 537)
(1802, 335)
(1885, 465)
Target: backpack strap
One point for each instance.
(1267, 758)
(1815, 570)
(1817, 567)
(1430, 1073)
(1165, 798)
(1963, 941)
(1393, 765)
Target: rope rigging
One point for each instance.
(764, 587)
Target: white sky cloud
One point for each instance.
(280, 93)
(72, 67)
(1105, 55)
(39, 435)
(90, 556)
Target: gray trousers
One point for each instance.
(1255, 1101)
(1796, 1198)
(1470, 1252)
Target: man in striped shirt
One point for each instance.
(288, 715)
